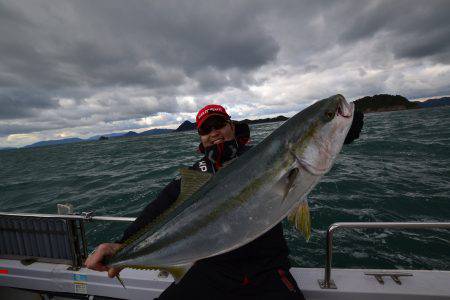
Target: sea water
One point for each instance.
(398, 170)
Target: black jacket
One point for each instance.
(266, 252)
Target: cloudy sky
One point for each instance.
(81, 68)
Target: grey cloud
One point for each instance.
(367, 20)
(200, 34)
(113, 35)
(41, 126)
(16, 104)
(118, 61)
(87, 113)
(410, 29)
(21, 128)
(91, 46)
(211, 79)
(432, 44)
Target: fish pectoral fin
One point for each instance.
(291, 177)
(286, 183)
(191, 181)
(301, 219)
(178, 272)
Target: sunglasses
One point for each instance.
(212, 124)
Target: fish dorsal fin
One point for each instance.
(178, 272)
(191, 181)
(301, 219)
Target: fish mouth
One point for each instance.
(345, 109)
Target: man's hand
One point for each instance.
(94, 261)
(355, 128)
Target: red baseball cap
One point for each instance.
(209, 111)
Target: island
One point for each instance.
(186, 126)
(384, 102)
(266, 120)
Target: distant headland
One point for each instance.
(368, 104)
(385, 102)
(104, 137)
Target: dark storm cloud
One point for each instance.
(189, 36)
(14, 128)
(412, 29)
(211, 79)
(60, 46)
(192, 35)
(66, 64)
(434, 44)
(21, 104)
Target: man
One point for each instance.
(258, 270)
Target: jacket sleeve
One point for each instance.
(355, 128)
(162, 202)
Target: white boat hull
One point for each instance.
(57, 279)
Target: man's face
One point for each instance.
(216, 130)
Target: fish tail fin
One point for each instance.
(178, 272)
(301, 219)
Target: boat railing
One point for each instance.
(57, 238)
(327, 282)
(84, 216)
(78, 243)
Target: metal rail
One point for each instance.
(75, 227)
(85, 216)
(327, 282)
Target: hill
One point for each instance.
(156, 131)
(384, 102)
(54, 142)
(444, 101)
(266, 120)
(7, 148)
(186, 125)
(99, 137)
(129, 133)
(108, 135)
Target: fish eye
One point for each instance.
(329, 115)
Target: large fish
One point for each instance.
(246, 198)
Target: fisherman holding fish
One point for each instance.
(257, 270)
